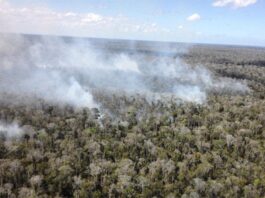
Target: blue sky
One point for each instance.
(202, 21)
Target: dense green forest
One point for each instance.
(143, 149)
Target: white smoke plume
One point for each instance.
(10, 131)
(33, 69)
(67, 70)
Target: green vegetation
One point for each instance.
(140, 149)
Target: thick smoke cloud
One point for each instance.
(66, 71)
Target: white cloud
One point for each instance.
(194, 17)
(234, 3)
(43, 20)
(90, 18)
(180, 27)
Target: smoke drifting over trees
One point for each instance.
(107, 118)
(67, 70)
(10, 131)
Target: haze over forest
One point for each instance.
(131, 115)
